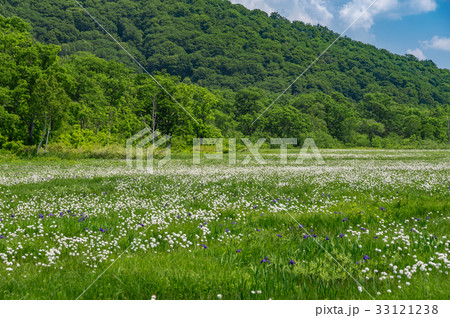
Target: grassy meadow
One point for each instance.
(366, 224)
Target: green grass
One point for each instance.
(255, 203)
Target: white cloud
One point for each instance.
(339, 14)
(356, 8)
(311, 11)
(437, 43)
(423, 5)
(308, 11)
(256, 4)
(417, 53)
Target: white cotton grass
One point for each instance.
(162, 220)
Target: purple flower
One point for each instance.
(227, 230)
(278, 235)
(102, 230)
(265, 260)
(61, 214)
(141, 224)
(305, 236)
(238, 251)
(314, 235)
(204, 246)
(363, 229)
(326, 237)
(345, 219)
(255, 206)
(382, 209)
(366, 257)
(258, 230)
(41, 216)
(2, 237)
(341, 235)
(375, 237)
(233, 222)
(12, 215)
(300, 226)
(292, 262)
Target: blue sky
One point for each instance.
(418, 27)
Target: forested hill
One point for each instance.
(221, 45)
(66, 83)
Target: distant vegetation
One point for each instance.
(225, 64)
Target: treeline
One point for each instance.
(84, 100)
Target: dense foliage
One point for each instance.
(355, 95)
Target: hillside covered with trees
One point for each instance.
(67, 82)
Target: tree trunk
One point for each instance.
(43, 135)
(31, 127)
(154, 119)
(48, 133)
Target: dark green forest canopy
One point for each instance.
(355, 95)
(221, 45)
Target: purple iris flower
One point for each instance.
(102, 230)
(341, 235)
(141, 224)
(51, 214)
(61, 214)
(345, 219)
(363, 229)
(12, 215)
(233, 222)
(382, 209)
(41, 216)
(366, 257)
(258, 230)
(204, 246)
(314, 235)
(292, 262)
(227, 230)
(327, 238)
(238, 251)
(300, 226)
(255, 206)
(2, 237)
(265, 260)
(305, 236)
(278, 235)
(375, 237)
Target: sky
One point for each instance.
(418, 27)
